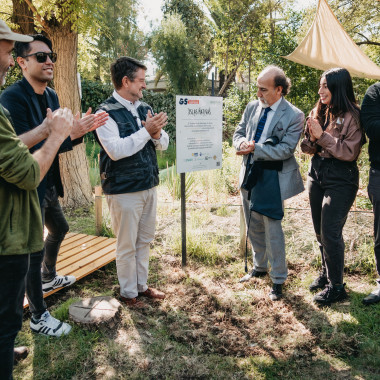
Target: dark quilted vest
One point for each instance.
(134, 173)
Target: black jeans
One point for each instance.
(332, 186)
(374, 196)
(55, 221)
(34, 294)
(53, 218)
(13, 269)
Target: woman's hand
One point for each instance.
(315, 129)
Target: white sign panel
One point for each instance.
(198, 132)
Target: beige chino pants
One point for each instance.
(133, 218)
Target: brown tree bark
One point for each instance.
(73, 164)
(23, 17)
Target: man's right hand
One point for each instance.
(154, 124)
(60, 122)
(246, 147)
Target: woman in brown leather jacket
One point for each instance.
(334, 137)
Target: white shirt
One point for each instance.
(270, 115)
(120, 147)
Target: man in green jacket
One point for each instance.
(21, 224)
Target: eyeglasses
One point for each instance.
(41, 56)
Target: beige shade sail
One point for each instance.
(327, 45)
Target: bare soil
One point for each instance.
(210, 326)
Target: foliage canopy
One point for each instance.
(176, 55)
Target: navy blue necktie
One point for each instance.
(248, 176)
(261, 125)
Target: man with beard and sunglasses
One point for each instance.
(27, 102)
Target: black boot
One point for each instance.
(331, 293)
(319, 283)
(276, 292)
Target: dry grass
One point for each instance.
(212, 327)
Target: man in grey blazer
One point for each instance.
(269, 131)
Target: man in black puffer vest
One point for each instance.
(129, 174)
(370, 119)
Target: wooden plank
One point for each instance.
(78, 254)
(95, 265)
(87, 260)
(76, 243)
(79, 246)
(83, 248)
(70, 234)
(71, 239)
(81, 255)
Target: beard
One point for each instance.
(263, 103)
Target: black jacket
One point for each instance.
(25, 112)
(129, 174)
(370, 120)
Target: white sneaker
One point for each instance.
(48, 325)
(246, 278)
(58, 282)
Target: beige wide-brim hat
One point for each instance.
(7, 34)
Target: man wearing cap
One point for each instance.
(21, 226)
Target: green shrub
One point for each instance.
(172, 180)
(166, 158)
(94, 93)
(233, 108)
(364, 165)
(92, 151)
(13, 76)
(163, 101)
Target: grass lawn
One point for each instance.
(210, 326)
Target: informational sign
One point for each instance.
(198, 133)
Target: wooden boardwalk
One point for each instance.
(81, 255)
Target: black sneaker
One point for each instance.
(331, 293)
(253, 273)
(276, 292)
(319, 283)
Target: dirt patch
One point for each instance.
(210, 326)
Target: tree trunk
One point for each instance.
(96, 313)
(73, 164)
(23, 17)
(231, 76)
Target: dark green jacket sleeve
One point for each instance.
(17, 165)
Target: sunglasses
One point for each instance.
(41, 57)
